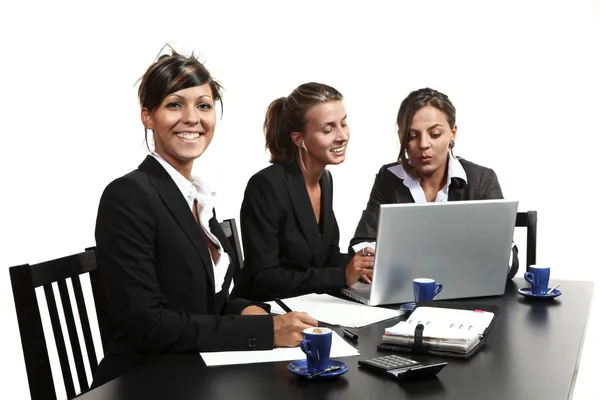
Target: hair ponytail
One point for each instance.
(286, 115)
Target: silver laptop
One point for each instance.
(464, 245)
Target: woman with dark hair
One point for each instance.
(427, 170)
(165, 261)
(289, 231)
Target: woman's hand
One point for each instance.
(289, 328)
(360, 267)
(369, 252)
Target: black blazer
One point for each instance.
(160, 279)
(482, 184)
(286, 254)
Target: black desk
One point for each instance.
(532, 353)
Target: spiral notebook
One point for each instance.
(442, 328)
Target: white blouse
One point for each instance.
(196, 189)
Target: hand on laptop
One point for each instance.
(366, 278)
(367, 252)
(360, 267)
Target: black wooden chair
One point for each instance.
(230, 228)
(101, 303)
(25, 279)
(529, 220)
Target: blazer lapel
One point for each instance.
(175, 202)
(458, 190)
(326, 208)
(402, 194)
(303, 209)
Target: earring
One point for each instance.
(452, 144)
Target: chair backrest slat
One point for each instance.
(59, 340)
(528, 220)
(102, 313)
(88, 260)
(230, 229)
(85, 324)
(35, 351)
(73, 337)
(521, 221)
(531, 237)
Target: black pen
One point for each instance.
(282, 305)
(350, 335)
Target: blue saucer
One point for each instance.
(408, 307)
(527, 293)
(299, 368)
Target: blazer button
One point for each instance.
(252, 342)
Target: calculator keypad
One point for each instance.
(390, 362)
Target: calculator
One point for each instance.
(401, 368)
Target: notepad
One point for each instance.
(339, 348)
(443, 328)
(336, 311)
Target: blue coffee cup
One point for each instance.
(538, 278)
(426, 289)
(317, 346)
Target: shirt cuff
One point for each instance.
(362, 245)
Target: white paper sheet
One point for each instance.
(339, 348)
(336, 311)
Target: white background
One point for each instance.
(523, 76)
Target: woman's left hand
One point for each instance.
(367, 252)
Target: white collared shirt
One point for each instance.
(455, 170)
(196, 189)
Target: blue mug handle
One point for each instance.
(305, 347)
(438, 289)
(529, 277)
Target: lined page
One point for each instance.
(444, 323)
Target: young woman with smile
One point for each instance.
(289, 230)
(427, 169)
(165, 261)
(183, 126)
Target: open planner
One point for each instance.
(442, 328)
